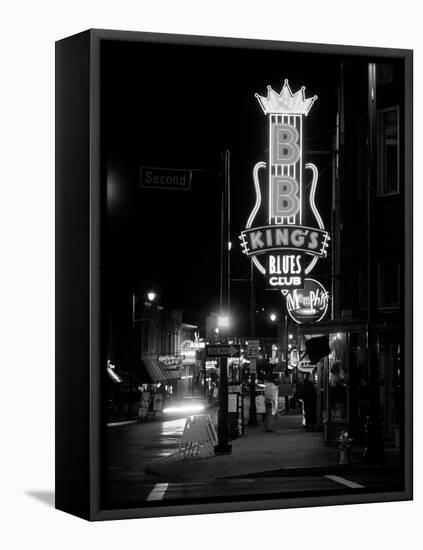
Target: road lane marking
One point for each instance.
(347, 482)
(158, 491)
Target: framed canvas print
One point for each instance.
(233, 275)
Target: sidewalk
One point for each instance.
(289, 449)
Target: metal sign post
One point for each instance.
(223, 446)
(222, 352)
(252, 353)
(252, 415)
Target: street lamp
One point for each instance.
(284, 334)
(223, 321)
(151, 295)
(285, 346)
(223, 447)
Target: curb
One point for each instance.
(321, 470)
(286, 471)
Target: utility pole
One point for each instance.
(283, 335)
(252, 300)
(136, 344)
(133, 356)
(252, 415)
(223, 446)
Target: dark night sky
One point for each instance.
(180, 107)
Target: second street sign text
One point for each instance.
(165, 178)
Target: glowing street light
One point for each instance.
(223, 321)
(151, 295)
(285, 336)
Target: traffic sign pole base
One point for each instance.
(223, 449)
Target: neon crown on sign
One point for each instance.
(286, 101)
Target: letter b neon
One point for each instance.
(285, 148)
(285, 201)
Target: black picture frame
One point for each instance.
(78, 290)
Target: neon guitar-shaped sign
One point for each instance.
(282, 247)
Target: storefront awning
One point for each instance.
(151, 371)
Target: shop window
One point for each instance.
(389, 284)
(388, 151)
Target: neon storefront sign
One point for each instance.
(309, 303)
(281, 246)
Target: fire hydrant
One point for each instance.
(344, 448)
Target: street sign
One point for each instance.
(223, 350)
(253, 350)
(165, 178)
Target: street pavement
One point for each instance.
(288, 462)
